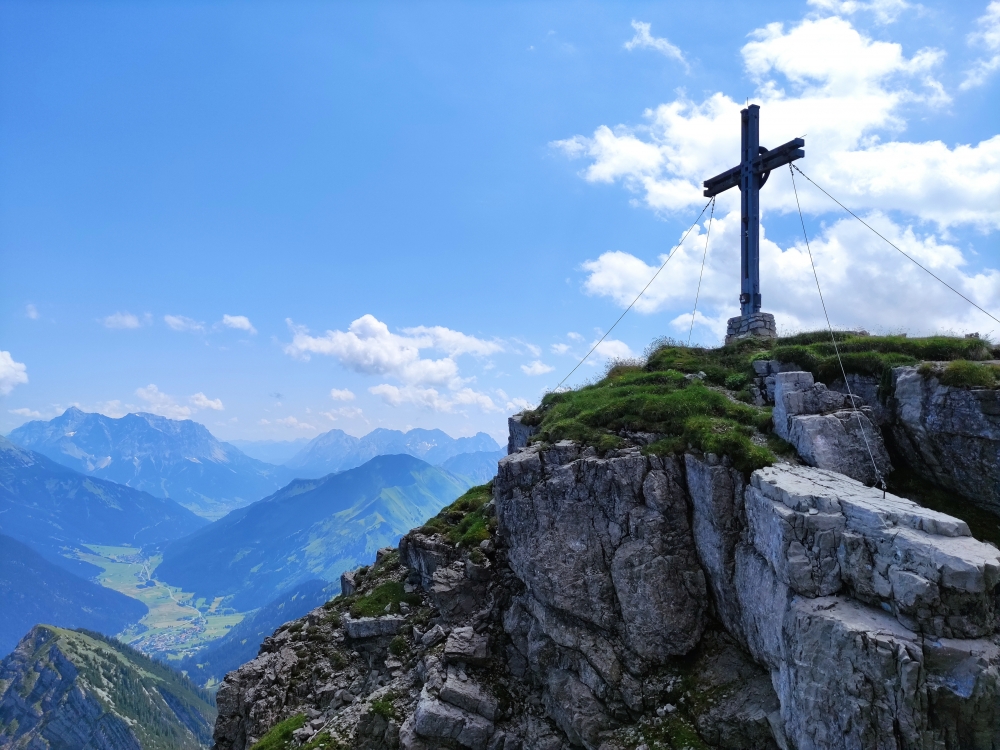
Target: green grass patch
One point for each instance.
(463, 522)
(388, 594)
(384, 708)
(280, 736)
(964, 374)
(686, 411)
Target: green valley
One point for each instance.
(177, 623)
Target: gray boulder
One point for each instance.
(825, 433)
(950, 436)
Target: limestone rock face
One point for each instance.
(826, 430)
(627, 598)
(949, 435)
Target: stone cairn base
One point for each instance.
(760, 325)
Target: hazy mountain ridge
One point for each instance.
(476, 468)
(51, 507)
(312, 528)
(179, 459)
(337, 451)
(75, 690)
(34, 590)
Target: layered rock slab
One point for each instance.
(854, 601)
(830, 430)
(950, 436)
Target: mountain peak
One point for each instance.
(121, 699)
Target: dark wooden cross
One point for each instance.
(756, 163)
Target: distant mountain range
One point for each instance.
(33, 590)
(275, 452)
(475, 468)
(313, 528)
(77, 690)
(181, 460)
(337, 451)
(241, 644)
(54, 509)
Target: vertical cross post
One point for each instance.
(750, 205)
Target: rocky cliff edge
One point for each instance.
(631, 600)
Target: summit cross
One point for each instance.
(756, 163)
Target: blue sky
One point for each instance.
(281, 218)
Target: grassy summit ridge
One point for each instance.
(692, 396)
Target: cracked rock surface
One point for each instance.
(629, 600)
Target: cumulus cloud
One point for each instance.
(23, 412)
(31, 312)
(12, 373)
(866, 283)
(536, 368)
(885, 11)
(347, 412)
(122, 320)
(986, 36)
(847, 92)
(158, 402)
(292, 423)
(182, 323)
(201, 401)
(239, 322)
(431, 398)
(844, 90)
(643, 39)
(370, 348)
(338, 394)
(519, 404)
(613, 349)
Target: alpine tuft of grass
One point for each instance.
(711, 411)
(389, 594)
(280, 735)
(463, 522)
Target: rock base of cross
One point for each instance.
(759, 325)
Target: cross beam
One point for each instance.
(749, 176)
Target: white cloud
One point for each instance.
(113, 409)
(347, 412)
(31, 312)
(560, 348)
(988, 37)
(292, 422)
(885, 11)
(431, 398)
(536, 368)
(31, 413)
(338, 394)
(452, 342)
(519, 404)
(157, 402)
(122, 320)
(866, 283)
(613, 349)
(370, 348)
(182, 323)
(201, 401)
(573, 336)
(846, 92)
(644, 40)
(239, 322)
(12, 373)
